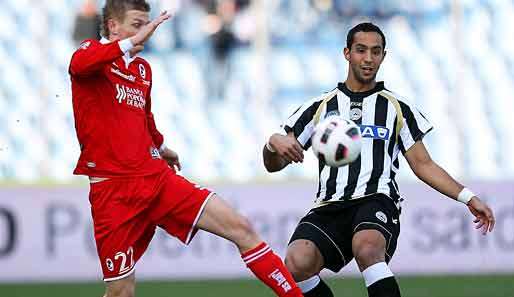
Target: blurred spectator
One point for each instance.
(223, 39)
(87, 22)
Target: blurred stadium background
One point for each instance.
(225, 74)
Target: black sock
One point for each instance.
(386, 287)
(320, 290)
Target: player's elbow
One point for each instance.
(270, 168)
(76, 68)
(274, 164)
(271, 163)
(267, 164)
(80, 65)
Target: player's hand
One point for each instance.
(484, 217)
(147, 30)
(171, 157)
(287, 147)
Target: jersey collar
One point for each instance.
(343, 88)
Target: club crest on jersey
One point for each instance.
(142, 71)
(355, 114)
(375, 132)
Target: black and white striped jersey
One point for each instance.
(377, 116)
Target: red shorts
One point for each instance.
(126, 212)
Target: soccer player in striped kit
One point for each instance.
(357, 207)
(134, 185)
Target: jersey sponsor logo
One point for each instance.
(355, 114)
(132, 96)
(375, 132)
(84, 45)
(381, 216)
(142, 71)
(123, 75)
(352, 104)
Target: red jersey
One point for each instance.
(111, 105)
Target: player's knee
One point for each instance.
(367, 254)
(301, 263)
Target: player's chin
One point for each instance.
(366, 79)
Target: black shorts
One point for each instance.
(331, 228)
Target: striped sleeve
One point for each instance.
(415, 126)
(301, 122)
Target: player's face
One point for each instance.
(133, 22)
(365, 56)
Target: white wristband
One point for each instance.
(125, 45)
(465, 196)
(270, 148)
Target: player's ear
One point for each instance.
(112, 25)
(346, 53)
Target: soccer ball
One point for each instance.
(336, 141)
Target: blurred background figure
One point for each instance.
(87, 22)
(223, 41)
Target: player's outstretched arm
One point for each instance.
(280, 151)
(428, 171)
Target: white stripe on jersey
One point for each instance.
(368, 117)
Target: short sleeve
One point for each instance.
(301, 122)
(415, 126)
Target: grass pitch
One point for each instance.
(434, 286)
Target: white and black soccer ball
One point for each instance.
(336, 141)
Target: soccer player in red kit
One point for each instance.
(133, 184)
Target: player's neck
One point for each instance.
(357, 87)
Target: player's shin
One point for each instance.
(270, 269)
(380, 281)
(315, 287)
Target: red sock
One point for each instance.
(270, 269)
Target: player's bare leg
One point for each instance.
(369, 249)
(221, 219)
(304, 261)
(125, 287)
